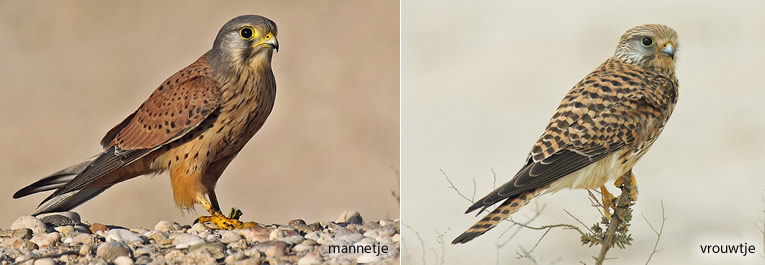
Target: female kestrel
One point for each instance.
(600, 130)
(193, 125)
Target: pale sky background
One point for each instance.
(481, 80)
(72, 70)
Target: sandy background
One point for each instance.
(72, 71)
(480, 82)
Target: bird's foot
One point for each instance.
(633, 192)
(608, 202)
(226, 223)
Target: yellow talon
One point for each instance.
(633, 193)
(608, 202)
(216, 217)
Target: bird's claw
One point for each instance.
(226, 223)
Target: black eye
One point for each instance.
(245, 33)
(647, 41)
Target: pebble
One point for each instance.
(23, 233)
(352, 217)
(60, 218)
(111, 250)
(198, 227)
(256, 234)
(309, 259)
(96, 227)
(85, 250)
(171, 243)
(45, 240)
(183, 240)
(45, 261)
(229, 236)
(165, 226)
(368, 258)
(66, 230)
(82, 238)
(31, 223)
(122, 235)
(234, 257)
(123, 260)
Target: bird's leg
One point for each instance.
(620, 181)
(608, 202)
(216, 217)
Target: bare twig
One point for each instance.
(658, 233)
(419, 238)
(455, 188)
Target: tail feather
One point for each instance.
(68, 200)
(55, 180)
(62, 202)
(504, 210)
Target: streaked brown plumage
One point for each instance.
(601, 128)
(193, 125)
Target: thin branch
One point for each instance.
(455, 187)
(658, 233)
(419, 238)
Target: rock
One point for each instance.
(183, 240)
(111, 250)
(368, 258)
(296, 222)
(13, 243)
(143, 260)
(60, 218)
(251, 261)
(237, 256)
(313, 236)
(81, 228)
(352, 217)
(65, 230)
(310, 259)
(123, 260)
(45, 261)
(167, 226)
(156, 236)
(147, 251)
(215, 250)
(302, 248)
(123, 235)
(94, 228)
(31, 223)
(82, 238)
(46, 240)
(272, 248)
(229, 236)
(198, 228)
(396, 238)
(32, 246)
(23, 233)
(86, 249)
(315, 227)
(256, 234)
(175, 255)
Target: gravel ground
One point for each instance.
(61, 238)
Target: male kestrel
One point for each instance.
(601, 128)
(193, 125)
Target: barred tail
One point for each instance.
(504, 210)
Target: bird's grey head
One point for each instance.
(651, 45)
(245, 41)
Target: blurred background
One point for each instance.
(481, 80)
(71, 71)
